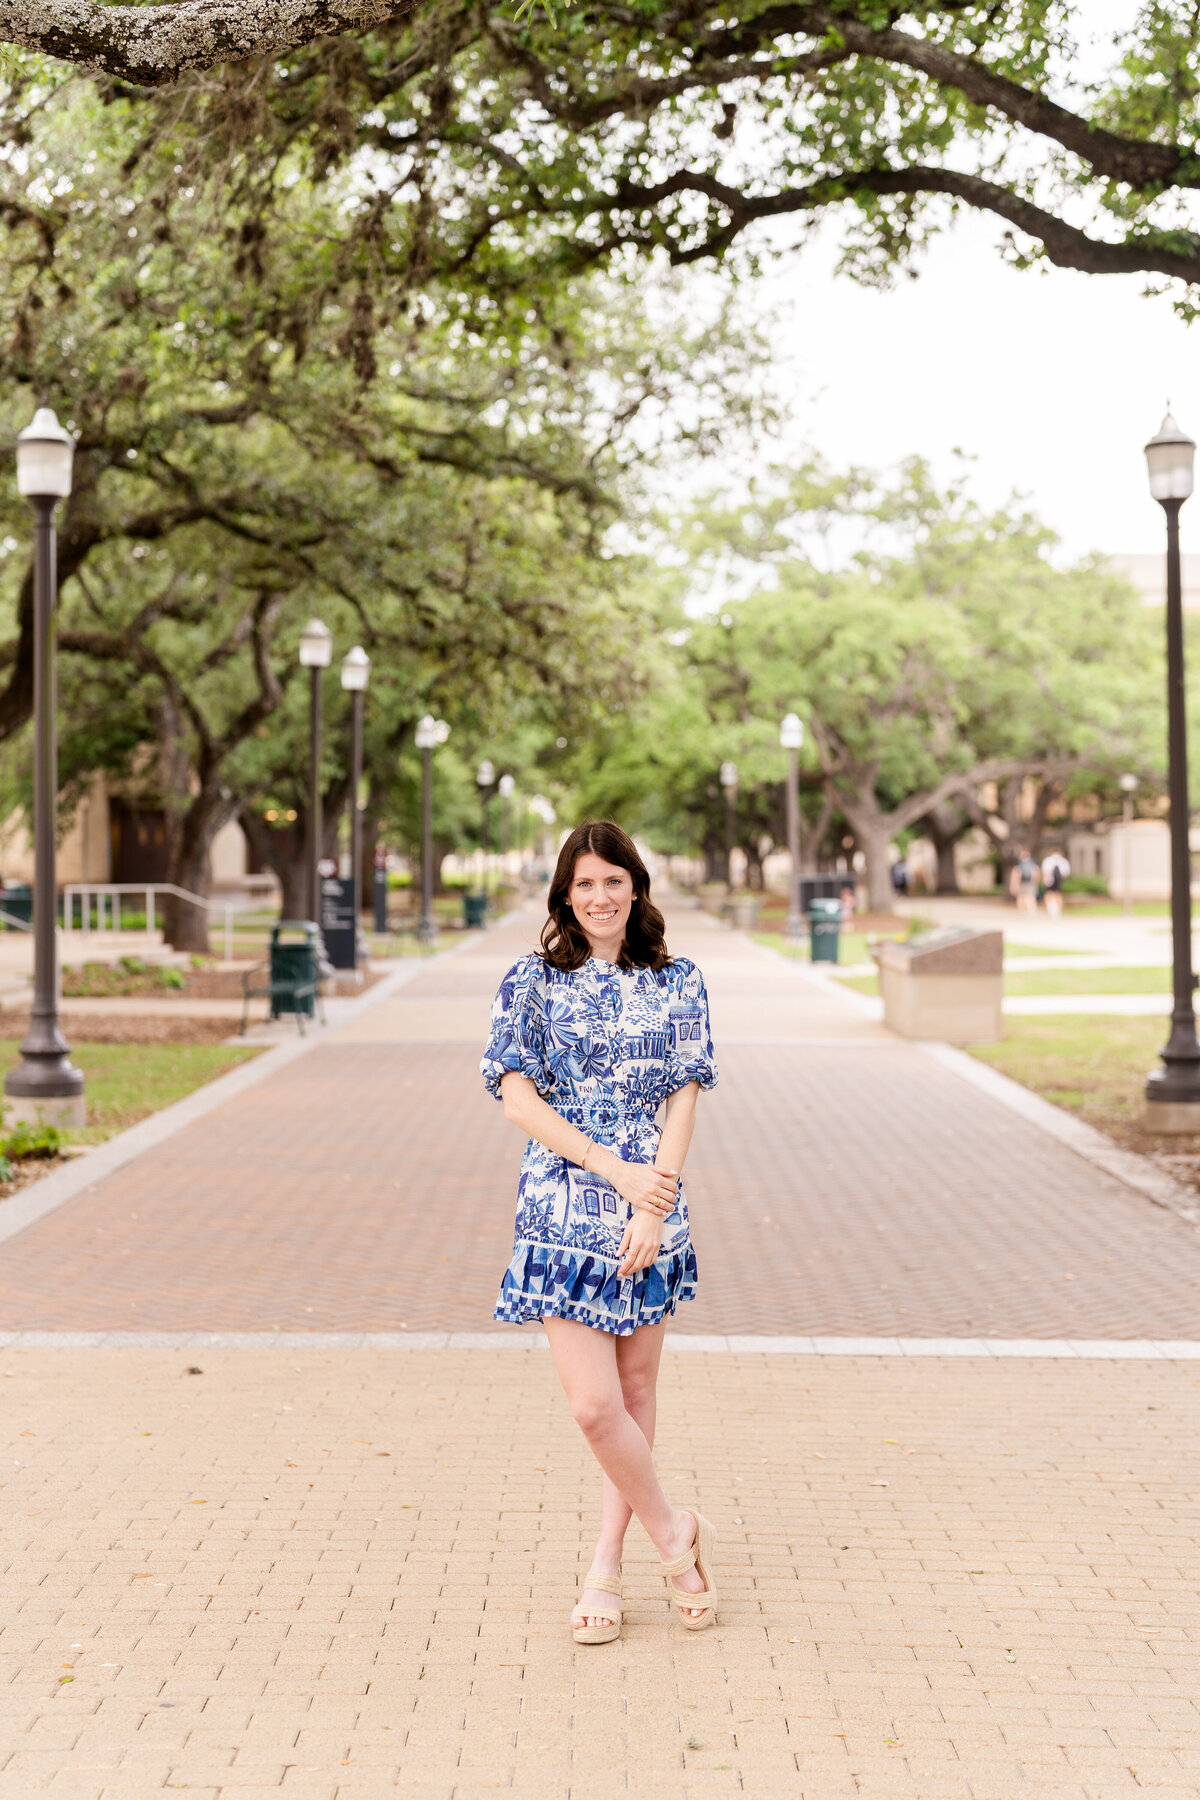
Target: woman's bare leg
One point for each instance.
(589, 1366)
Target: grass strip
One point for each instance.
(127, 1082)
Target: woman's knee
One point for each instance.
(637, 1390)
(596, 1410)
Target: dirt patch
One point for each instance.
(104, 1028)
(25, 1173)
(226, 984)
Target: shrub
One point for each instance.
(1086, 884)
(26, 1142)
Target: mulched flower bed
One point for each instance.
(104, 1028)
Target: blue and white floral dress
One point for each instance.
(605, 1047)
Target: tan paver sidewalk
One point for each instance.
(337, 1576)
(337, 1573)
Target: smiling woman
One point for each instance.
(590, 1040)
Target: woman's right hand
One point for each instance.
(646, 1188)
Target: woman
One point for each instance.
(590, 1038)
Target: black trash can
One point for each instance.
(294, 970)
(825, 926)
(17, 902)
(474, 910)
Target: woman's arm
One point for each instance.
(678, 1127)
(642, 1184)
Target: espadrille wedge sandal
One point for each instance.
(700, 1557)
(610, 1613)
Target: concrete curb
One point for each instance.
(1137, 1172)
(489, 1342)
(1134, 1171)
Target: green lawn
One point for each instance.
(1093, 1067)
(126, 1082)
(1059, 981)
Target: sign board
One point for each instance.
(338, 920)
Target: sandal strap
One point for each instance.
(607, 1584)
(693, 1602)
(680, 1564)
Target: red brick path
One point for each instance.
(835, 1189)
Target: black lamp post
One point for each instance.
(729, 781)
(1173, 1092)
(506, 788)
(791, 736)
(316, 650)
(45, 1085)
(430, 733)
(356, 672)
(485, 780)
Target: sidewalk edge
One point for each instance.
(1135, 1171)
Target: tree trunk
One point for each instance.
(185, 924)
(944, 826)
(283, 853)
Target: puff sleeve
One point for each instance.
(690, 1056)
(514, 1045)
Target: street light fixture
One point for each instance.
(506, 788)
(45, 1085)
(430, 733)
(1173, 1092)
(316, 653)
(791, 736)
(356, 672)
(729, 781)
(1128, 785)
(485, 778)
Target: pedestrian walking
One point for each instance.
(1055, 869)
(1023, 882)
(900, 875)
(591, 1038)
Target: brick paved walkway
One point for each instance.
(331, 1574)
(344, 1577)
(841, 1182)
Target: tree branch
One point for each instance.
(154, 45)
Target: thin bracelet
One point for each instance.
(590, 1144)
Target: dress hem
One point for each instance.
(533, 1314)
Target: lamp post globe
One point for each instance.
(791, 737)
(1173, 1090)
(45, 457)
(45, 1086)
(356, 670)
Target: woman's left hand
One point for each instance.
(641, 1243)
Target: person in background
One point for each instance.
(1055, 869)
(900, 875)
(1023, 882)
(847, 899)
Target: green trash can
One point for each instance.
(825, 926)
(17, 901)
(474, 910)
(294, 974)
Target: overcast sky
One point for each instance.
(1051, 381)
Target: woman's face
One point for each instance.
(601, 896)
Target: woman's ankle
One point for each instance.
(607, 1558)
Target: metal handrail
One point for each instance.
(100, 891)
(11, 919)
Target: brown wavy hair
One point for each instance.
(564, 941)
